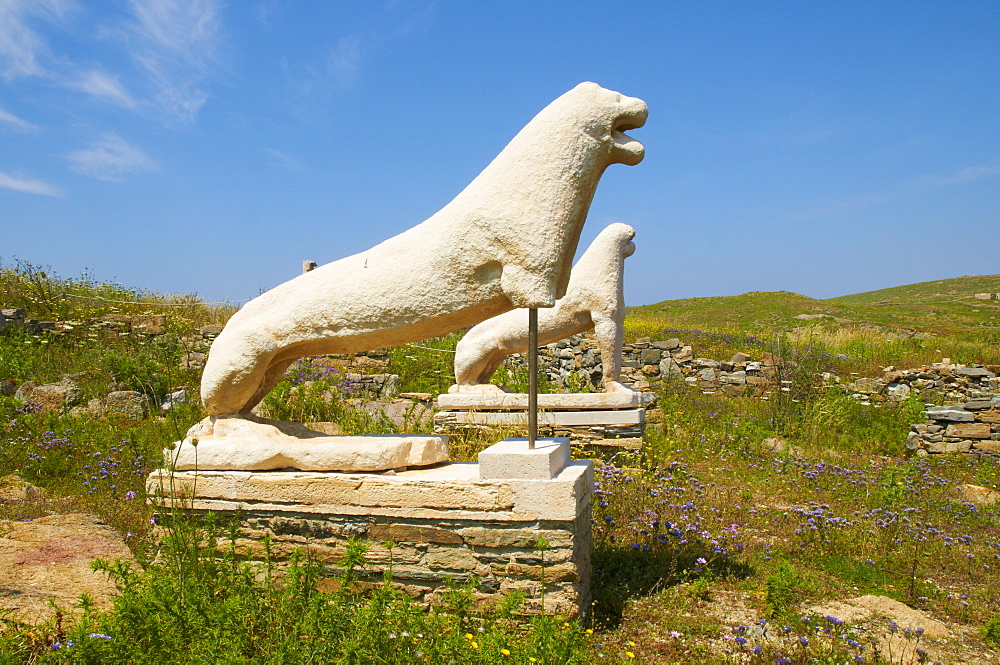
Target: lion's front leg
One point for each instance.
(610, 334)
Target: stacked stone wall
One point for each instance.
(968, 427)
(422, 556)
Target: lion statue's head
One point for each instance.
(606, 115)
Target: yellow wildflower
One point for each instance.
(505, 652)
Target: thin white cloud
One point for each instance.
(16, 123)
(104, 86)
(175, 42)
(28, 185)
(21, 47)
(967, 174)
(907, 188)
(110, 158)
(267, 12)
(284, 160)
(342, 63)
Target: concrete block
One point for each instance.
(511, 458)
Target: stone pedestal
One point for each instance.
(605, 422)
(444, 522)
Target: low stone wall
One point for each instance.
(423, 527)
(969, 427)
(939, 382)
(576, 363)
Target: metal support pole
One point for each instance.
(532, 377)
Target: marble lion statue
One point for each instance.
(594, 299)
(506, 241)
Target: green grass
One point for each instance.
(706, 520)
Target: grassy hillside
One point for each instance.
(945, 305)
(941, 290)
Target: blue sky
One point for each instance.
(208, 147)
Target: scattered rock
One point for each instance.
(981, 496)
(50, 396)
(864, 608)
(14, 489)
(176, 397)
(47, 561)
(128, 403)
(211, 331)
(193, 360)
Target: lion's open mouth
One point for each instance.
(632, 118)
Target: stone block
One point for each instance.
(515, 538)
(992, 416)
(400, 533)
(614, 418)
(987, 446)
(451, 559)
(315, 453)
(511, 458)
(950, 414)
(562, 401)
(969, 430)
(650, 356)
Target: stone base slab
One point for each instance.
(618, 418)
(322, 453)
(569, 401)
(444, 522)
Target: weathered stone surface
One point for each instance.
(400, 533)
(981, 496)
(969, 430)
(897, 391)
(8, 388)
(168, 402)
(127, 403)
(987, 446)
(48, 560)
(193, 360)
(976, 373)
(950, 414)
(862, 608)
(992, 416)
(14, 489)
(554, 573)
(210, 331)
(504, 401)
(513, 537)
(50, 396)
(452, 559)
(583, 418)
(320, 453)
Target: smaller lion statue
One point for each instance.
(594, 299)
